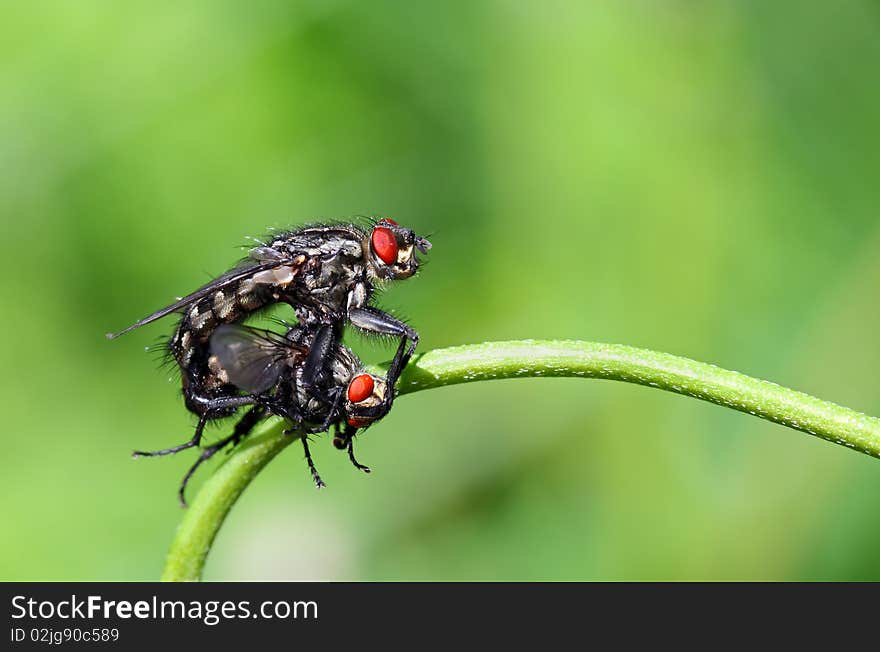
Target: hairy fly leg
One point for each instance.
(317, 478)
(376, 321)
(212, 406)
(251, 418)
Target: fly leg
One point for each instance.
(304, 437)
(242, 428)
(357, 465)
(345, 440)
(317, 478)
(333, 413)
(376, 321)
(381, 323)
(192, 443)
(320, 351)
(211, 407)
(398, 364)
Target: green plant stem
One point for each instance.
(496, 360)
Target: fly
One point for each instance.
(270, 368)
(326, 273)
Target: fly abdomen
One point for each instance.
(204, 383)
(228, 305)
(190, 343)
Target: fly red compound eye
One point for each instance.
(360, 388)
(385, 244)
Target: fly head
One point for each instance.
(392, 250)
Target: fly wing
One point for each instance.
(253, 359)
(232, 276)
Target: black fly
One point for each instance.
(326, 273)
(271, 369)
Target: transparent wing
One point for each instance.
(253, 359)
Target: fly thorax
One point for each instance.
(329, 288)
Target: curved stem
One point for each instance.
(495, 360)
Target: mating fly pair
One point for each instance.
(327, 274)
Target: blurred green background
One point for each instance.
(698, 178)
